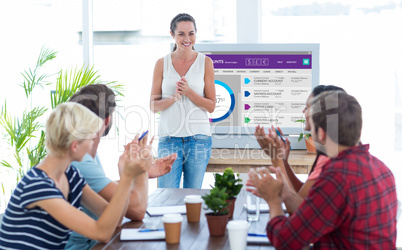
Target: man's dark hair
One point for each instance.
(339, 115)
(322, 88)
(99, 98)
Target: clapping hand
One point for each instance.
(265, 186)
(136, 158)
(272, 145)
(162, 166)
(182, 86)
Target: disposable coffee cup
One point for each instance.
(172, 225)
(238, 231)
(193, 207)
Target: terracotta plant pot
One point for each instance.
(310, 146)
(231, 207)
(217, 224)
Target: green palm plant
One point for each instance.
(25, 135)
(69, 82)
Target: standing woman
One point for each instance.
(183, 91)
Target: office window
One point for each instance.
(25, 27)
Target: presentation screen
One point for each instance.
(260, 84)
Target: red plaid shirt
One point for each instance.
(352, 205)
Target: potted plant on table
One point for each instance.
(307, 137)
(233, 186)
(218, 218)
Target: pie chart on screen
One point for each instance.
(225, 102)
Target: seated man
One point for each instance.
(100, 99)
(353, 203)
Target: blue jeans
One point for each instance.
(193, 153)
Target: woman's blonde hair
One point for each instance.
(70, 122)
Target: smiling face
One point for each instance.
(184, 35)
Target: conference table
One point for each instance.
(193, 235)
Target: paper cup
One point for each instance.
(193, 207)
(238, 231)
(172, 225)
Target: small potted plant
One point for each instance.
(307, 137)
(228, 180)
(218, 218)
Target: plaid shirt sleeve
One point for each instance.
(352, 205)
(320, 213)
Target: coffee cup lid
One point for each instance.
(193, 199)
(172, 218)
(237, 224)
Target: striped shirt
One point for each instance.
(24, 228)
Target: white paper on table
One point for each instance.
(160, 211)
(134, 234)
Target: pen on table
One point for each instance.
(150, 230)
(280, 136)
(143, 134)
(258, 235)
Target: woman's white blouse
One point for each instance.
(183, 118)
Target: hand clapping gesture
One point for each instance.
(266, 186)
(272, 145)
(182, 86)
(162, 166)
(136, 158)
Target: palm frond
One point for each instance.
(6, 164)
(70, 81)
(39, 152)
(25, 130)
(8, 124)
(45, 55)
(32, 78)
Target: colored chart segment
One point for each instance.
(225, 102)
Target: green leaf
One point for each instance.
(216, 200)
(228, 181)
(6, 164)
(45, 55)
(300, 137)
(39, 152)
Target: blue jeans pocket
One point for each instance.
(164, 139)
(203, 138)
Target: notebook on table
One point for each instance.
(258, 239)
(141, 234)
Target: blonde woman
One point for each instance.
(44, 207)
